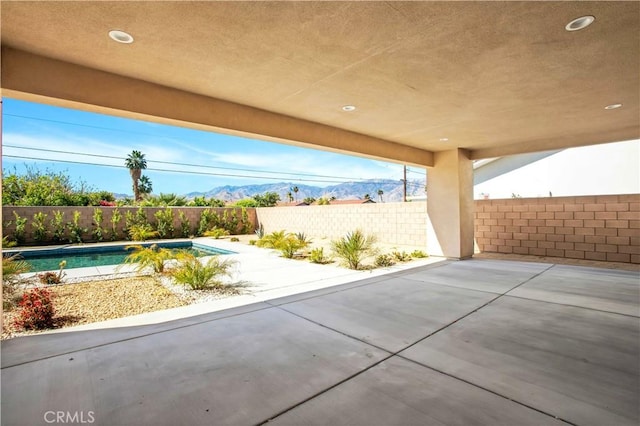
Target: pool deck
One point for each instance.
(266, 274)
(476, 342)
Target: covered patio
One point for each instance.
(455, 343)
(431, 84)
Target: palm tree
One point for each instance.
(136, 162)
(380, 192)
(145, 187)
(367, 196)
(290, 197)
(295, 191)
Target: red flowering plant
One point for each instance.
(37, 310)
(105, 203)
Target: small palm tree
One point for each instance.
(295, 191)
(380, 192)
(287, 243)
(367, 196)
(290, 197)
(145, 257)
(145, 186)
(195, 274)
(354, 248)
(136, 162)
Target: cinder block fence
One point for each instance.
(603, 227)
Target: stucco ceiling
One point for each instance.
(496, 78)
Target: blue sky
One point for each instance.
(34, 127)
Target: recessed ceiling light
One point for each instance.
(613, 106)
(121, 36)
(444, 139)
(580, 23)
(349, 108)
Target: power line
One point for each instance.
(153, 135)
(169, 170)
(192, 172)
(178, 164)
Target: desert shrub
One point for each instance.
(290, 246)
(37, 310)
(216, 233)
(287, 243)
(7, 243)
(75, 230)
(50, 278)
(317, 256)
(141, 232)
(39, 227)
(12, 267)
(419, 254)
(303, 237)
(354, 248)
(153, 257)
(260, 231)
(252, 242)
(234, 239)
(58, 226)
(185, 225)
(401, 256)
(384, 260)
(208, 219)
(164, 224)
(21, 226)
(246, 223)
(116, 217)
(191, 272)
(271, 240)
(98, 231)
(137, 219)
(230, 222)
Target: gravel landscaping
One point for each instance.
(109, 298)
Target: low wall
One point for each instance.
(392, 223)
(603, 227)
(86, 218)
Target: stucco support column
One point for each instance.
(450, 205)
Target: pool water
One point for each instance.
(108, 256)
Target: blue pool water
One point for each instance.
(80, 257)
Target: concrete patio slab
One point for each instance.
(577, 364)
(31, 348)
(605, 289)
(483, 275)
(237, 370)
(400, 392)
(475, 356)
(390, 314)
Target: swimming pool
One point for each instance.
(83, 256)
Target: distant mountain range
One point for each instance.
(393, 190)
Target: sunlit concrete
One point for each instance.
(435, 344)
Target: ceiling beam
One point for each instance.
(38, 78)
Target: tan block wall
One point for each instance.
(603, 227)
(391, 223)
(86, 218)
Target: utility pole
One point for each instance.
(404, 181)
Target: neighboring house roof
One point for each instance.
(293, 204)
(336, 202)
